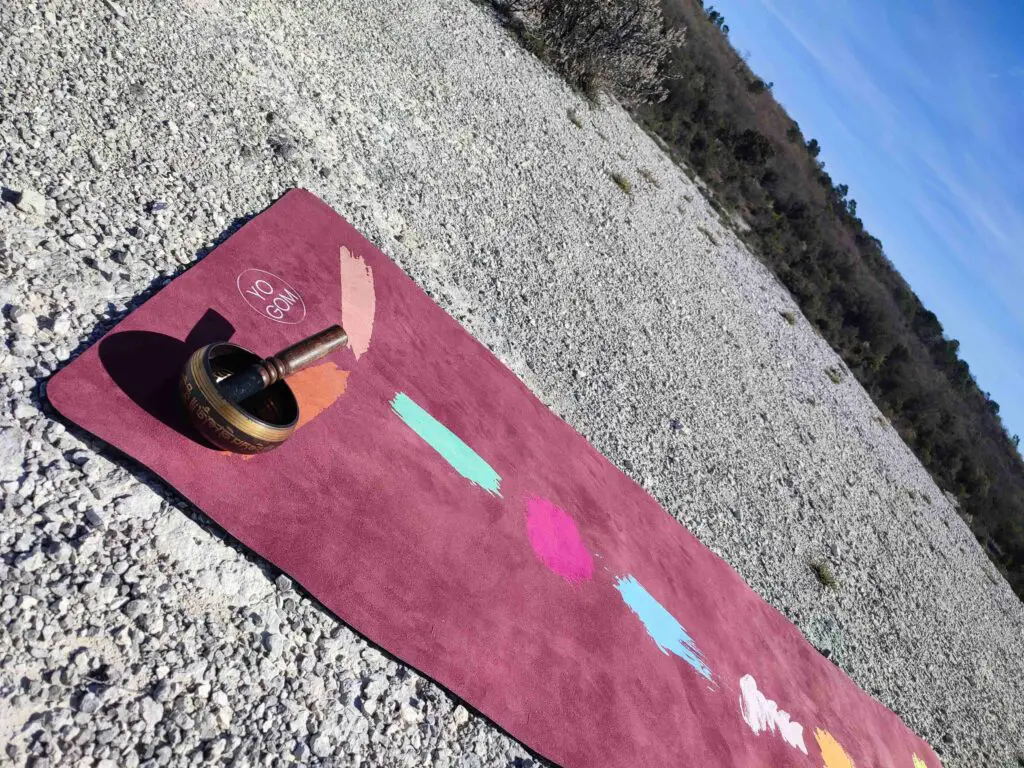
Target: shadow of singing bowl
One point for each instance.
(267, 419)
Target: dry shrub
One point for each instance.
(617, 46)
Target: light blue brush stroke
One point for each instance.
(463, 459)
(667, 633)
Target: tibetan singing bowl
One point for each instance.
(241, 403)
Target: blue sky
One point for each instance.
(919, 108)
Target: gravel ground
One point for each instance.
(132, 633)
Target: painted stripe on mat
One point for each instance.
(462, 458)
(556, 541)
(832, 751)
(358, 301)
(666, 631)
(763, 714)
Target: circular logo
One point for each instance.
(271, 296)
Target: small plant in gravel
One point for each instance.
(649, 177)
(789, 316)
(717, 207)
(574, 118)
(622, 182)
(833, 373)
(703, 230)
(824, 573)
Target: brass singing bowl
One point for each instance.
(267, 419)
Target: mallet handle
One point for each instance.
(261, 375)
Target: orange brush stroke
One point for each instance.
(831, 751)
(358, 301)
(316, 389)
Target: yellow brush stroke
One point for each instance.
(831, 752)
(919, 763)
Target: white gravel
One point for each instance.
(132, 634)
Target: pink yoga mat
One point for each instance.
(433, 503)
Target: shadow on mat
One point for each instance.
(146, 366)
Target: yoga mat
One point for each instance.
(433, 503)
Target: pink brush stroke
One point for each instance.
(358, 302)
(556, 541)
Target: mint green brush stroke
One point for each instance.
(463, 459)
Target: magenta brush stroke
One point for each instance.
(556, 541)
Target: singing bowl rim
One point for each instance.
(200, 370)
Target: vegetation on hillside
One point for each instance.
(618, 46)
(721, 120)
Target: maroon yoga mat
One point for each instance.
(432, 502)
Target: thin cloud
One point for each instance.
(915, 113)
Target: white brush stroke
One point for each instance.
(763, 714)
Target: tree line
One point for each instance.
(722, 120)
